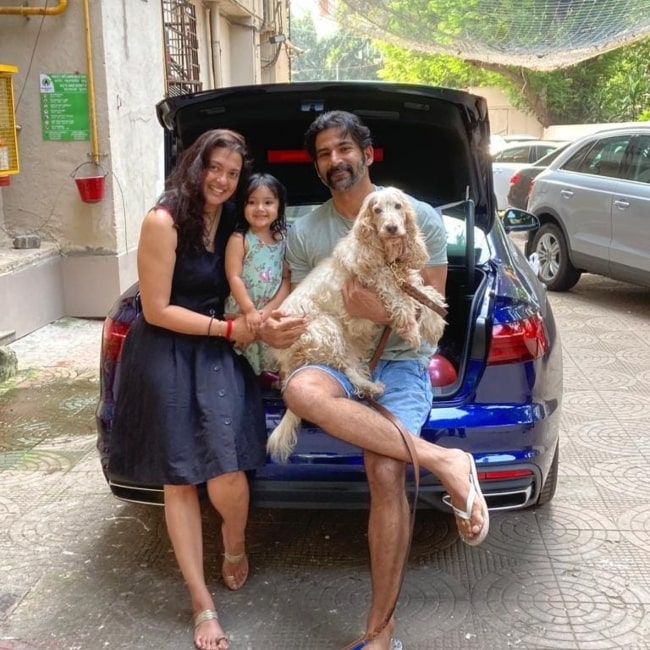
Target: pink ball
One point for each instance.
(441, 371)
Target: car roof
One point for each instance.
(530, 143)
(518, 137)
(431, 142)
(579, 142)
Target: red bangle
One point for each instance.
(228, 329)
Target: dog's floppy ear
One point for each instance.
(369, 249)
(365, 219)
(417, 253)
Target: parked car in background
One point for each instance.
(499, 141)
(593, 204)
(521, 182)
(497, 375)
(513, 157)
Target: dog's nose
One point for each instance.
(391, 229)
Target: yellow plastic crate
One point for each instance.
(9, 163)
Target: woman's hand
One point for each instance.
(280, 330)
(362, 302)
(240, 334)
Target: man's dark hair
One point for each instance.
(349, 123)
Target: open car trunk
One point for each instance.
(430, 142)
(433, 143)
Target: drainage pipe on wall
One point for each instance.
(92, 108)
(35, 11)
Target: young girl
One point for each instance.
(255, 267)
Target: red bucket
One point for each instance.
(91, 188)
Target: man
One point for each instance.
(341, 148)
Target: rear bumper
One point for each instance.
(512, 494)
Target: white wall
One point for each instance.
(504, 118)
(96, 241)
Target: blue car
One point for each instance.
(497, 375)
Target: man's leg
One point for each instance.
(388, 538)
(319, 398)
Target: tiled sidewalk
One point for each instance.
(80, 570)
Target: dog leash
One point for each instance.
(425, 300)
(408, 441)
(416, 294)
(422, 298)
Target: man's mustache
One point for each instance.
(339, 168)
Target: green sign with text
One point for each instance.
(64, 107)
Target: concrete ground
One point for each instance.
(80, 570)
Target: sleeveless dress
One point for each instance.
(262, 276)
(188, 408)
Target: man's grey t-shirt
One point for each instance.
(312, 238)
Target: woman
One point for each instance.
(189, 410)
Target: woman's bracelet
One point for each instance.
(227, 324)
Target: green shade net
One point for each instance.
(535, 34)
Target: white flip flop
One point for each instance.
(474, 491)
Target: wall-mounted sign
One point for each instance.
(64, 107)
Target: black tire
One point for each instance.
(555, 268)
(548, 489)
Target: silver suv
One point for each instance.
(593, 204)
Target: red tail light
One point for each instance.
(515, 178)
(504, 475)
(518, 341)
(283, 156)
(288, 156)
(113, 336)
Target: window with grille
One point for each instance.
(181, 47)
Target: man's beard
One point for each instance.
(346, 182)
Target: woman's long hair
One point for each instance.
(183, 195)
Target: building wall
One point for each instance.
(97, 242)
(504, 118)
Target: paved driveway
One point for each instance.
(80, 570)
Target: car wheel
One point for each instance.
(550, 485)
(555, 268)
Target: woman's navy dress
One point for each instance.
(188, 407)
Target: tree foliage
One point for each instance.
(536, 34)
(612, 87)
(340, 55)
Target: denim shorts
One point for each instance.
(407, 389)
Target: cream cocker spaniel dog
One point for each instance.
(383, 250)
